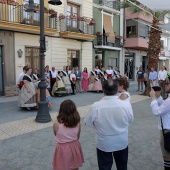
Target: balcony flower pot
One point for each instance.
(53, 15)
(62, 16)
(46, 10)
(73, 17)
(3, 1)
(87, 20)
(52, 12)
(98, 34)
(36, 9)
(12, 3)
(26, 6)
(80, 18)
(93, 22)
(107, 34)
(118, 37)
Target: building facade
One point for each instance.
(108, 44)
(69, 33)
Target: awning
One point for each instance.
(108, 28)
(156, 5)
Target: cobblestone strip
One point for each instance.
(19, 127)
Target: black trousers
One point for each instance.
(105, 159)
(73, 87)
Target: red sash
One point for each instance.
(53, 79)
(73, 79)
(109, 75)
(21, 84)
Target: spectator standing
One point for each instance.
(54, 74)
(146, 78)
(153, 77)
(85, 79)
(110, 123)
(73, 81)
(161, 79)
(78, 79)
(139, 76)
(68, 154)
(161, 108)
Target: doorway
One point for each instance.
(129, 65)
(73, 58)
(1, 73)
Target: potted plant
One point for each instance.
(26, 5)
(3, 1)
(52, 11)
(80, 18)
(73, 16)
(118, 37)
(87, 20)
(98, 34)
(46, 10)
(12, 2)
(36, 7)
(93, 21)
(107, 34)
(62, 16)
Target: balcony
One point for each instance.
(110, 4)
(103, 44)
(137, 43)
(78, 28)
(16, 18)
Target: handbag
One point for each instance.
(166, 137)
(143, 79)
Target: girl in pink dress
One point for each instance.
(68, 154)
(85, 79)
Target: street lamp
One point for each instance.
(43, 115)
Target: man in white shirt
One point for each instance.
(54, 74)
(110, 118)
(161, 78)
(97, 70)
(161, 108)
(109, 72)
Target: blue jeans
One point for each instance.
(105, 159)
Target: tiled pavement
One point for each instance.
(25, 144)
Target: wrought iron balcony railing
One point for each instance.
(102, 41)
(77, 24)
(110, 4)
(18, 14)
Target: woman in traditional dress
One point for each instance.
(67, 82)
(27, 95)
(97, 85)
(91, 80)
(36, 78)
(59, 88)
(85, 79)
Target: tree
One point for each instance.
(154, 44)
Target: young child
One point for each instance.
(122, 89)
(68, 154)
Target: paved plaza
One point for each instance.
(27, 145)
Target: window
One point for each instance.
(131, 30)
(147, 30)
(32, 57)
(74, 10)
(73, 58)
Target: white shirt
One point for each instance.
(109, 72)
(72, 75)
(20, 78)
(54, 74)
(97, 70)
(161, 108)
(127, 93)
(110, 118)
(162, 75)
